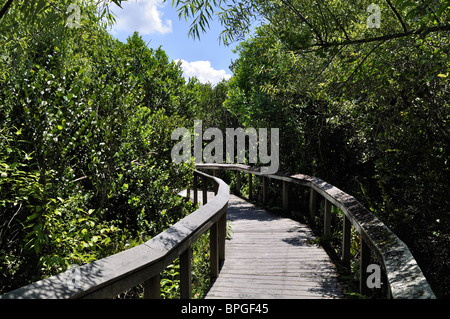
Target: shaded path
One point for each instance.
(269, 256)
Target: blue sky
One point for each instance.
(158, 24)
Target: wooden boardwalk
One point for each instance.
(269, 257)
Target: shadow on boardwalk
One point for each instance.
(269, 256)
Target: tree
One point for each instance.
(319, 24)
(364, 108)
(85, 161)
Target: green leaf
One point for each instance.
(32, 216)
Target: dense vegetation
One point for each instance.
(366, 109)
(84, 142)
(85, 122)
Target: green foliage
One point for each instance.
(85, 142)
(201, 266)
(364, 108)
(209, 105)
(85, 123)
(170, 278)
(305, 24)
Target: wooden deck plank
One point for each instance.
(270, 256)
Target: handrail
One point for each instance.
(108, 277)
(404, 277)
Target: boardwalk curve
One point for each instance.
(270, 256)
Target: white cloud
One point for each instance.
(203, 71)
(144, 16)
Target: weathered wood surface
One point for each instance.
(270, 256)
(404, 276)
(107, 277)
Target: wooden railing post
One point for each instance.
(205, 191)
(285, 196)
(152, 288)
(195, 188)
(327, 218)
(250, 186)
(312, 204)
(238, 182)
(346, 232)
(222, 235)
(214, 250)
(364, 262)
(186, 274)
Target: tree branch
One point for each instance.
(323, 70)
(398, 15)
(339, 23)
(298, 14)
(117, 168)
(361, 63)
(5, 8)
(386, 37)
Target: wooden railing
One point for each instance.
(110, 276)
(404, 277)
